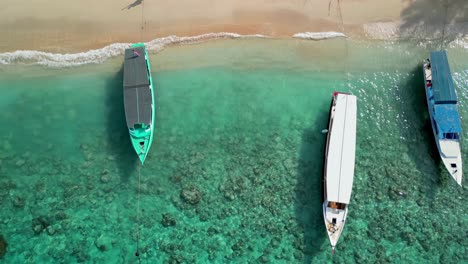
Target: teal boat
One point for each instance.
(139, 99)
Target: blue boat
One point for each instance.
(442, 102)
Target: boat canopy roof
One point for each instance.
(442, 82)
(135, 70)
(342, 150)
(447, 118)
(137, 92)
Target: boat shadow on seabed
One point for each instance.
(309, 189)
(119, 144)
(417, 99)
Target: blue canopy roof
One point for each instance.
(442, 82)
(446, 116)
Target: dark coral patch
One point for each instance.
(3, 246)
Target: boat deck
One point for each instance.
(445, 110)
(442, 82)
(339, 171)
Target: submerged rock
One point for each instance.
(176, 178)
(61, 215)
(168, 220)
(191, 195)
(51, 230)
(103, 243)
(40, 223)
(176, 259)
(213, 231)
(105, 177)
(20, 162)
(238, 247)
(3, 246)
(18, 202)
(396, 193)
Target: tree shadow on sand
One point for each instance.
(434, 19)
(309, 189)
(119, 140)
(134, 4)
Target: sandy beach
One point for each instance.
(72, 26)
(80, 25)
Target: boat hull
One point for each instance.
(449, 149)
(142, 138)
(337, 185)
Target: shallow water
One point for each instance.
(239, 126)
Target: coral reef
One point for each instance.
(235, 172)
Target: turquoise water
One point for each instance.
(239, 128)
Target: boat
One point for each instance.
(338, 170)
(445, 120)
(139, 103)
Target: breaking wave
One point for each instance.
(319, 35)
(381, 31)
(33, 57)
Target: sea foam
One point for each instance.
(454, 33)
(32, 57)
(319, 35)
(460, 42)
(381, 30)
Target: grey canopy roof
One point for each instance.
(137, 93)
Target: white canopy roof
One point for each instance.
(341, 150)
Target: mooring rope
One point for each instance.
(442, 40)
(345, 64)
(142, 24)
(137, 253)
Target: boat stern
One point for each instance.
(141, 141)
(334, 219)
(141, 146)
(457, 175)
(454, 167)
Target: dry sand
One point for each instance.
(65, 25)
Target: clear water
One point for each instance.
(239, 125)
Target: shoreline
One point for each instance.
(332, 48)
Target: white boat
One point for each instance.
(338, 171)
(442, 103)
